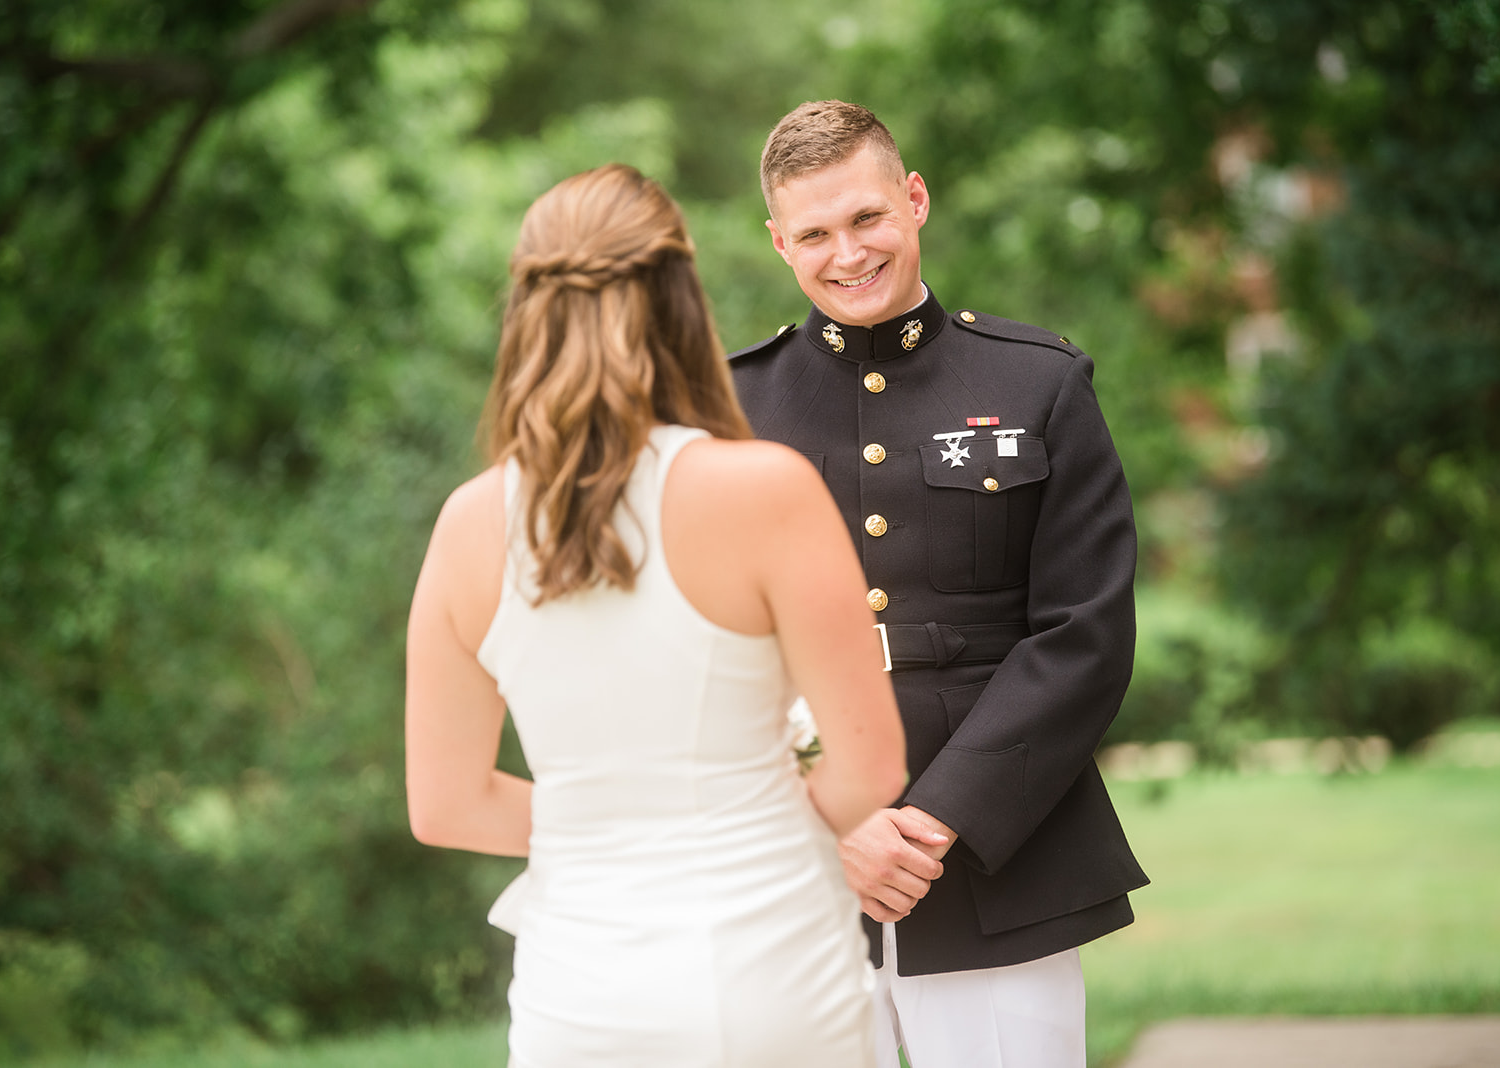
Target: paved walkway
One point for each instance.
(1321, 1042)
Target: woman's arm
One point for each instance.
(455, 797)
(815, 590)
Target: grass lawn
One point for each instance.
(451, 1047)
(1288, 894)
(1304, 894)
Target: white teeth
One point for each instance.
(861, 280)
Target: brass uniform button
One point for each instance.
(874, 453)
(875, 525)
(875, 381)
(966, 316)
(877, 600)
(991, 485)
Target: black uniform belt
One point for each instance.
(910, 645)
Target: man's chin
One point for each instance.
(857, 314)
(843, 307)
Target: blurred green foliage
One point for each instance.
(1197, 665)
(249, 262)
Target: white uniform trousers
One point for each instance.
(1020, 1016)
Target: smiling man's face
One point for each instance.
(849, 234)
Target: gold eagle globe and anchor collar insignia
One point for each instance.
(889, 340)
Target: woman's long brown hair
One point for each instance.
(606, 333)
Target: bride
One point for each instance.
(646, 590)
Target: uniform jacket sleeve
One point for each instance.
(1037, 723)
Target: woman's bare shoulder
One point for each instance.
(724, 506)
(465, 564)
(473, 512)
(749, 468)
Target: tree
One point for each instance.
(234, 395)
(1377, 504)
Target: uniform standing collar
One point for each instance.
(896, 337)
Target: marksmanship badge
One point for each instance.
(1005, 441)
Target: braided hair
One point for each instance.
(606, 333)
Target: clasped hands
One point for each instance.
(891, 859)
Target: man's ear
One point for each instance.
(916, 191)
(778, 242)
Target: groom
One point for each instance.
(979, 481)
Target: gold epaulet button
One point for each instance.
(967, 316)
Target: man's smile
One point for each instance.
(861, 280)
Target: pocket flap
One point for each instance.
(1005, 472)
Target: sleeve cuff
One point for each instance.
(988, 836)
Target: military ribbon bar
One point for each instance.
(983, 420)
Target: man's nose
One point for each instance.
(847, 248)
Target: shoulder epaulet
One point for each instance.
(1010, 330)
(781, 335)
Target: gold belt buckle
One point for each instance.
(885, 645)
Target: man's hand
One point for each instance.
(891, 859)
(936, 837)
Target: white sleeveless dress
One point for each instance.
(686, 905)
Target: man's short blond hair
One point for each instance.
(818, 134)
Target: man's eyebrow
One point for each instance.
(882, 208)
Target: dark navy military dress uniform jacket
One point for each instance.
(973, 467)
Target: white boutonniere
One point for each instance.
(805, 741)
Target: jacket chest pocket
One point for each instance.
(981, 515)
